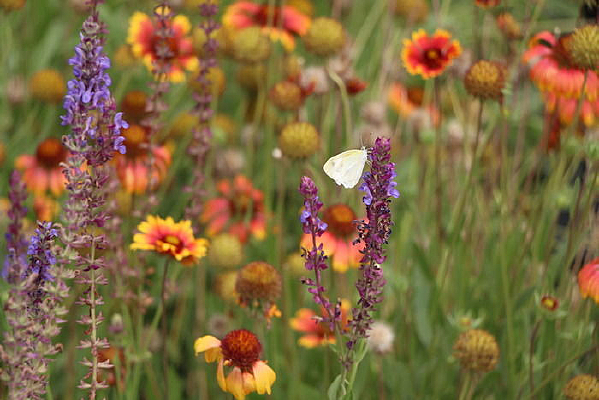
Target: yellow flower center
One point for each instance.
(170, 239)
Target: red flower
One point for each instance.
(316, 333)
(429, 56)
(143, 40)
(230, 211)
(42, 171)
(588, 280)
(406, 100)
(285, 22)
(487, 3)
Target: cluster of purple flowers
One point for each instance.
(96, 127)
(15, 241)
(374, 233)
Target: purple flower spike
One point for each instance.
(15, 241)
(379, 188)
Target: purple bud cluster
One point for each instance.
(34, 313)
(379, 187)
(96, 126)
(15, 240)
(202, 134)
(315, 257)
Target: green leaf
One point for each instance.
(334, 388)
(420, 305)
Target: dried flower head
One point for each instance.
(509, 26)
(325, 37)
(381, 337)
(226, 251)
(286, 96)
(584, 47)
(299, 140)
(133, 105)
(582, 387)
(486, 80)
(47, 85)
(258, 281)
(251, 45)
(415, 11)
(477, 350)
(224, 286)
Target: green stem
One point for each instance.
(164, 332)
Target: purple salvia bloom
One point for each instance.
(15, 240)
(34, 311)
(379, 187)
(315, 257)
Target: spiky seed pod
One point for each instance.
(299, 140)
(47, 85)
(258, 281)
(584, 48)
(226, 251)
(251, 45)
(477, 350)
(325, 37)
(485, 79)
(286, 96)
(582, 387)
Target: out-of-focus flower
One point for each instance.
(588, 280)
(553, 72)
(414, 11)
(42, 171)
(582, 387)
(304, 6)
(251, 76)
(45, 208)
(299, 140)
(142, 38)
(429, 56)
(226, 251)
(258, 282)
(47, 85)
(218, 325)
(477, 350)
(114, 356)
(226, 128)
(487, 3)
(294, 263)
(585, 47)
(509, 26)
(280, 23)
(337, 241)
(224, 286)
(133, 168)
(11, 5)
(216, 79)
(239, 350)
(286, 96)
(2, 154)
(15, 90)
(166, 236)
(486, 80)
(116, 324)
(325, 37)
(317, 333)
(549, 303)
(251, 45)
(231, 163)
(229, 212)
(406, 101)
(314, 79)
(80, 6)
(183, 124)
(381, 337)
(123, 56)
(133, 106)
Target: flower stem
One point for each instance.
(164, 332)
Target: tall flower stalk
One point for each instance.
(94, 138)
(34, 311)
(15, 240)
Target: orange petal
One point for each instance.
(264, 376)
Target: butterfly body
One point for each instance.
(346, 168)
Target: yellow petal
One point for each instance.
(235, 384)
(264, 376)
(207, 343)
(249, 383)
(220, 376)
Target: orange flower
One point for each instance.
(555, 75)
(429, 56)
(229, 212)
(487, 3)
(132, 167)
(166, 236)
(588, 280)
(240, 350)
(42, 171)
(337, 241)
(143, 38)
(109, 375)
(406, 100)
(316, 333)
(280, 23)
(45, 208)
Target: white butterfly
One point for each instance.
(346, 168)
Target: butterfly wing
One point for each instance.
(346, 168)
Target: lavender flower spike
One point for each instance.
(15, 241)
(379, 188)
(315, 258)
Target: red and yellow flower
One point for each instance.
(406, 100)
(317, 333)
(229, 212)
(280, 23)
(429, 56)
(165, 236)
(42, 171)
(588, 280)
(337, 241)
(144, 41)
(559, 80)
(487, 3)
(133, 167)
(239, 350)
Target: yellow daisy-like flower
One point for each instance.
(239, 349)
(166, 236)
(144, 41)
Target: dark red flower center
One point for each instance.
(50, 153)
(175, 241)
(433, 58)
(268, 16)
(416, 95)
(242, 348)
(340, 219)
(550, 303)
(135, 138)
(165, 48)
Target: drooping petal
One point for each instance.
(264, 376)
(210, 345)
(235, 384)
